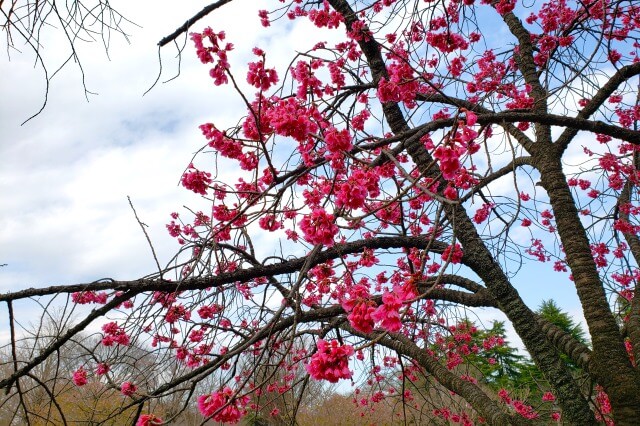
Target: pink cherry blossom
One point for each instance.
(80, 377)
(195, 180)
(128, 388)
(319, 227)
(261, 77)
(330, 362)
(388, 313)
(453, 253)
(102, 369)
(222, 407)
(149, 420)
(361, 317)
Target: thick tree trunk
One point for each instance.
(610, 366)
(574, 406)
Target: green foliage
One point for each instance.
(550, 311)
(501, 366)
(532, 380)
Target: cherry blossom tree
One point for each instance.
(407, 171)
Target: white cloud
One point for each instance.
(66, 174)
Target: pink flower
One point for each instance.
(453, 254)
(325, 17)
(102, 369)
(614, 56)
(504, 395)
(269, 222)
(537, 250)
(449, 161)
(196, 180)
(330, 362)
(149, 420)
(450, 193)
(337, 140)
(504, 6)
(472, 119)
(209, 311)
(261, 77)
(289, 117)
(114, 334)
(361, 317)
(524, 410)
(319, 227)
(221, 407)
(388, 314)
(128, 388)
(482, 213)
(84, 297)
(80, 377)
(548, 396)
(559, 266)
(264, 18)
(353, 192)
(446, 41)
(207, 53)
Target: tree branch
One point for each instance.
(57, 344)
(622, 75)
(565, 343)
(242, 275)
(195, 18)
(478, 399)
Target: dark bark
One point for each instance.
(189, 22)
(575, 407)
(622, 75)
(579, 353)
(247, 274)
(610, 365)
(633, 323)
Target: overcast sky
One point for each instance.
(66, 174)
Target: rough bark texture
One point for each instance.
(575, 408)
(565, 343)
(610, 365)
(633, 323)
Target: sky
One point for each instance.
(65, 175)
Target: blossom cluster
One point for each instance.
(114, 334)
(388, 313)
(222, 406)
(216, 53)
(319, 227)
(84, 297)
(80, 377)
(128, 388)
(519, 406)
(259, 76)
(196, 180)
(330, 362)
(149, 420)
